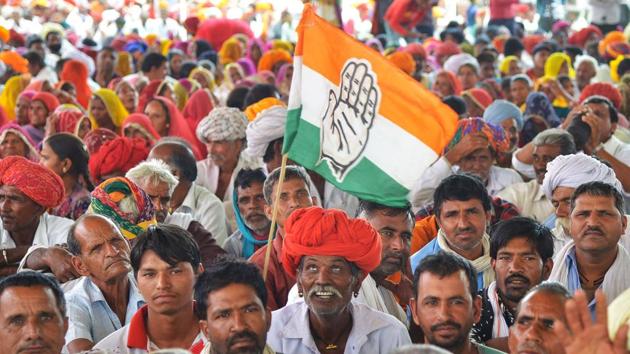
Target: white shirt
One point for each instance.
(208, 174)
(48, 74)
(530, 200)
(372, 331)
(207, 209)
(422, 193)
(605, 12)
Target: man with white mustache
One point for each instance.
(330, 255)
(564, 174)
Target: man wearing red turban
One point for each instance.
(330, 255)
(116, 157)
(28, 234)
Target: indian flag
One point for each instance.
(357, 120)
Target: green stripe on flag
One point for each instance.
(365, 181)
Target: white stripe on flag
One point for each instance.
(398, 153)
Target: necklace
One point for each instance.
(333, 345)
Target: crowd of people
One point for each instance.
(141, 165)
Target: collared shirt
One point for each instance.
(278, 282)
(90, 316)
(134, 339)
(207, 209)
(52, 230)
(529, 198)
(422, 192)
(372, 331)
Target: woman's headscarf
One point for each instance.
(537, 105)
(227, 78)
(76, 72)
(255, 42)
(124, 64)
(32, 153)
(504, 68)
(143, 124)
(148, 92)
(456, 85)
(554, 63)
(272, 57)
(231, 51)
(69, 118)
(197, 108)
(206, 73)
(96, 138)
(179, 127)
(48, 99)
(9, 96)
(115, 108)
(282, 82)
(181, 95)
(248, 66)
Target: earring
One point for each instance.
(356, 294)
(300, 293)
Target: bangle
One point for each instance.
(4, 254)
(598, 148)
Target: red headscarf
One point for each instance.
(39, 183)
(197, 108)
(446, 49)
(602, 89)
(315, 231)
(141, 122)
(94, 139)
(179, 127)
(118, 155)
(456, 85)
(48, 99)
(148, 92)
(580, 37)
(76, 72)
(69, 118)
(479, 96)
(415, 49)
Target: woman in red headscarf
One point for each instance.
(446, 84)
(76, 72)
(168, 121)
(43, 105)
(138, 125)
(197, 108)
(155, 88)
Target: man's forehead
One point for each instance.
(543, 305)
(586, 201)
(435, 285)
(384, 218)
(325, 259)
(15, 296)
(461, 204)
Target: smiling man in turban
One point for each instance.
(28, 234)
(330, 255)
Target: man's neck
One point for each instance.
(594, 265)
(25, 235)
(328, 328)
(116, 293)
(465, 348)
(180, 193)
(176, 331)
(509, 305)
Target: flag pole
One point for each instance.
(274, 214)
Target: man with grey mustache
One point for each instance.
(330, 255)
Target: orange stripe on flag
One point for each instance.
(325, 49)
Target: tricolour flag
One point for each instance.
(357, 120)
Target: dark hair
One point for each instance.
(187, 67)
(624, 67)
(461, 187)
(33, 39)
(573, 51)
(59, 65)
(547, 287)
(174, 52)
(599, 189)
(270, 150)
(512, 46)
(536, 234)
(34, 58)
(224, 272)
(152, 60)
(69, 146)
(181, 157)
(260, 91)
(236, 98)
(246, 177)
(31, 279)
(486, 57)
(170, 242)
(67, 86)
(368, 208)
(614, 118)
(291, 172)
(456, 103)
(202, 47)
(444, 264)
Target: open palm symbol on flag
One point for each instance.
(349, 117)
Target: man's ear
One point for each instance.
(267, 318)
(268, 211)
(79, 266)
(493, 264)
(200, 269)
(414, 314)
(476, 308)
(203, 325)
(547, 266)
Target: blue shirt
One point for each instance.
(573, 279)
(432, 248)
(89, 315)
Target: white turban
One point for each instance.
(456, 61)
(222, 123)
(574, 170)
(265, 128)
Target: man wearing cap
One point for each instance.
(528, 196)
(29, 236)
(330, 255)
(564, 175)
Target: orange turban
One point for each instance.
(117, 156)
(39, 183)
(254, 109)
(14, 61)
(315, 231)
(608, 41)
(272, 57)
(404, 61)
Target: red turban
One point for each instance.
(446, 49)
(315, 231)
(602, 89)
(479, 96)
(118, 155)
(96, 138)
(416, 49)
(39, 183)
(531, 41)
(580, 37)
(48, 99)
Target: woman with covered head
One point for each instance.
(446, 84)
(23, 107)
(76, 72)
(539, 115)
(138, 125)
(15, 141)
(43, 105)
(68, 118)
(127, 94)
(106, 110)
(66, 155)
(10, 93)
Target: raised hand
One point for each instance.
(349, 117)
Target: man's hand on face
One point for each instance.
(595, 137)
(59, 260)
(466, 146)
(585, 336)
